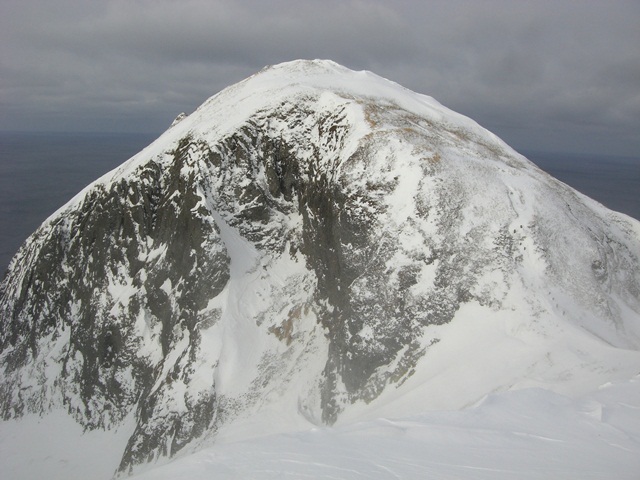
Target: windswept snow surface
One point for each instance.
(524, 434)
(55, 447)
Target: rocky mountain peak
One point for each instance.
(318, 242)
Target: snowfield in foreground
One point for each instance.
(524, 434)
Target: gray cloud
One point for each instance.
(542, 74)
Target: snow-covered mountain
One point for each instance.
(312, 246)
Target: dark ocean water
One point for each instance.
(40, 172)
(612, 181)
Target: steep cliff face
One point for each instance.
(297, 241)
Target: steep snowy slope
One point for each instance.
(530, 434)
(315, 245)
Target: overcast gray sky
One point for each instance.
(551, 75)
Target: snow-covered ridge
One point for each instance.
(266, 90)
(318, 246)
(226, 111)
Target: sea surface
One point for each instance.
(611, 180)
(40, 172)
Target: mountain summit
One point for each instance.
(312, 245)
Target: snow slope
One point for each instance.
(529, 434)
